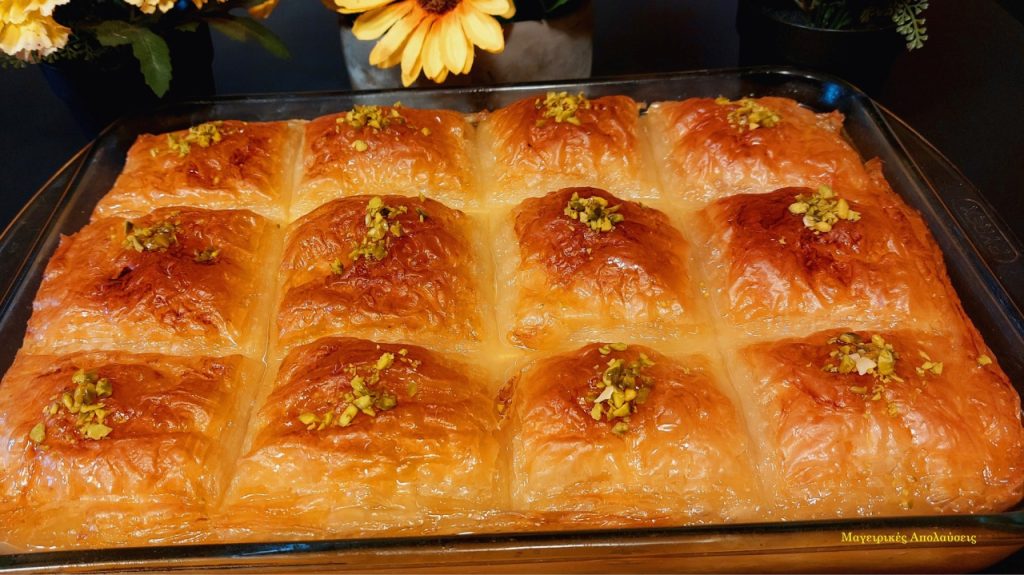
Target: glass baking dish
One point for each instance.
(984, 264)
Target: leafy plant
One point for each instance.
(89, 29)
(847, 14)
(149, 49)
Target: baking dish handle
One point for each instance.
(993, 240)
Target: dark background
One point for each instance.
(964, 91)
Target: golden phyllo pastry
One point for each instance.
(216, 165)
(179, 280)
(114, 448)
(710, 148)
(358, 438)
(385, 150)
(298, 331)
(556, 140)
(884, 423)
(618, 433)
(391, 267)
(581, 262)
(798, 260)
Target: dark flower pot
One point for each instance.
(539, 46)
(103, 88)
(862, 56)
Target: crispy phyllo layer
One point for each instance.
(115, 449)
(582, 261)
(548, 142)
(707, 149)
(625, 432)
(391, 267)
(793, 261)
(178, 280)
(884, 423)
(386, 150)
(216, 165)
(358, 437)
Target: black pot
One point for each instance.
(862, 56)
(101, 89)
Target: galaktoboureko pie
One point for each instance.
(563, 314)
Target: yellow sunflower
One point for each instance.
(436, 37)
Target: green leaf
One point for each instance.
(230, 28)
(188, 26)
(555, 5)
(242, 29)
(11, 62)
(233, 4)
(905, 16)
(149, 49)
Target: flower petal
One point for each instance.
(494, 7)
(263, 9)
(395, 58)
(470, 53)
(432, 61)
(483, 30)
(357, 6)
(412, 62)
(395, 38)
(409, 76)
(453, 44)
(442, 76)
(35, 36)
(373, 24)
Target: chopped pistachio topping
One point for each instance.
(561, 107)
(594, 212)
(822, 210)
(609, 347)
(379, 230)
(425, 131)
(620, 428)
(337, 267)
(984, 360)
(85, 403)
(622, 388)
(38, 433)
(204, 135)
(385, 361)
(208, 255)
(929, 366)
(422, 214)
(364, 398)
(157, 237)
(374, 117)
(360, 146)
(874, 357)
(95, 431)
(748, 114)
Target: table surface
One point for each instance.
(963, 91)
